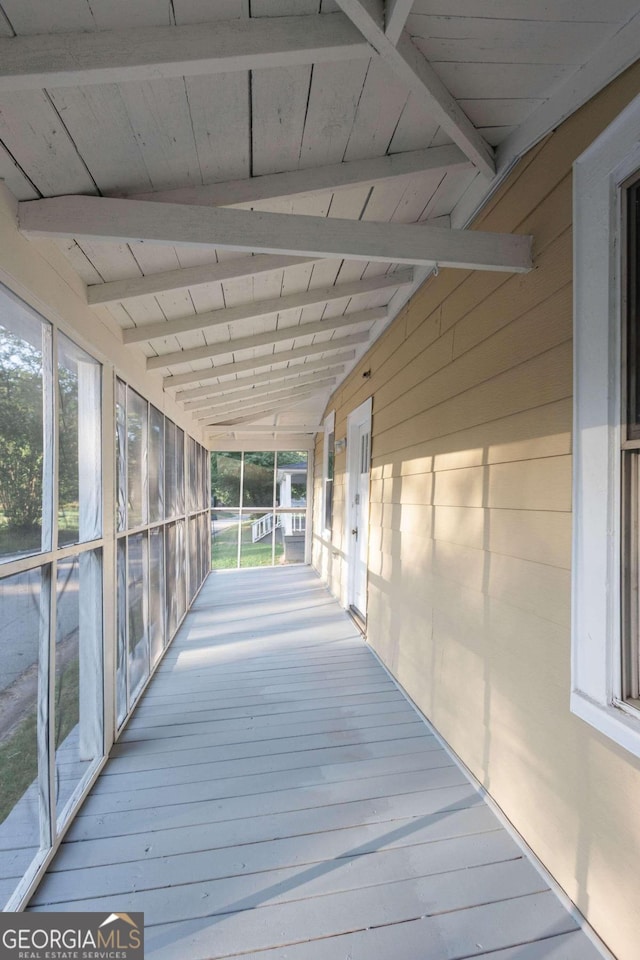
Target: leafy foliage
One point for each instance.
(21, 432)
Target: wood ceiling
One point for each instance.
(251, 189)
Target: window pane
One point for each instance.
(257, 539)
(328, 482)
(156, 465)
(171, 602)
(156, 594)
(121, 454)
(170, 476)
(122, 699)
(79, 454)
(179, 471)
(192, 500)
(77, 712)
(225, 479)
(25, 439)
(257, 484)
(194, 582)
(633, 307)
(136, 458)
(181, 567)
(24, 632)
(224, 548)
(138, 581)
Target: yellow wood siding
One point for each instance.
(470, 533)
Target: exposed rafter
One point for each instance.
(396, 13)
(149, 53)
(111, 219)
(408, 63)
(114, 291)
(266, 339)
(259, 385)
(265, 308)
(206, 413)
(262, 428)
(258, 363)
(307, 182)
(260, 412)
(333, 365)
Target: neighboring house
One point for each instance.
(474, 423)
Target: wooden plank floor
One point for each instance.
(276, 796)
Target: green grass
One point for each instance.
(21, 540)
(224, 549)
(19, 755)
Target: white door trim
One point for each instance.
(358, 418)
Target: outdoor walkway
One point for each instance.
(276, 796)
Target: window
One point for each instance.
(606, 547)
(328, 465)
(51, 587)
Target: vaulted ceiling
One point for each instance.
(251, 189)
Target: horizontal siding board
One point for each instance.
(545, 379)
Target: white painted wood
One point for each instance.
(504, 40)
(43, 147)
(307, 182)
(246, 384)
(334, 96)
(105, 218)
(356, 515)
(280, 373)
(264, 308)
(610, 58)
(279, 102)
(151, 53)
(266, 339)
(221, 123)
(597, 564)
(396, 13)
(559, 10)
(411, 66)
(275, 395)
(261, 430)
(379, 109)
(317, 379)
(256, 363)
(118, 290)
(257, 412)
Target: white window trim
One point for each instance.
(329, 428)
(596, 594)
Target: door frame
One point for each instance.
(358, 417)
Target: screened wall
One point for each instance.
(162, 536)
(104, 543)
(259, 508)
(51, 574)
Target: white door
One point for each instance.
(357, 514)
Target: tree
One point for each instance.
(21, 432)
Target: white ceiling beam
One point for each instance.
(206, 413)
(114, 291)
(395, 17)
(308, 182)
(334, 364)
(256, 386)
(261, 428)
(265, 339)
(152, 53)
(410, 66)
(108, 219)
(607, 61)
(264, 308)
(258, 363)
(264, 411)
